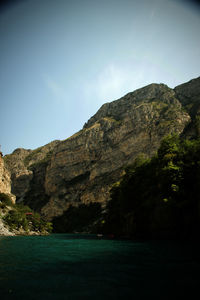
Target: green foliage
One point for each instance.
(159, 105)
(159, 197)
(15, 219)
(169, 147)
(22, 217)
(5, 200)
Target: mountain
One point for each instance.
(82, 169)
(5, 180)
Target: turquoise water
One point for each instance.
(65, 266)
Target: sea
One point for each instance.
(78, 266)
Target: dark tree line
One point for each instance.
(159, 197)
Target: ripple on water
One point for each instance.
(84, 267)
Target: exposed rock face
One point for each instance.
(19, 173)
(82, 168)
(22, 164)
(4, 230)
(189, 96)
(5, 181)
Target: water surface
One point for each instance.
(63, 266)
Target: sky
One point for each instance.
(61, 60)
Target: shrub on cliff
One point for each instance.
(5, 199)
(16, 220)
(23, 217)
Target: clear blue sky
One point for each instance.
(61, 60)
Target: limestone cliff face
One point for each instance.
(19, 173)
(189, 96)
(82, 168)
(5, 181)
(24, 166)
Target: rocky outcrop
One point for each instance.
(189, 96)
(5, 183)
(24, 165)
(4, 230)
(5, 180)
(82, 168)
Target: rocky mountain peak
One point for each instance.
(83, 168)
(119, 108)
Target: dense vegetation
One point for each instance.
(20, 217)
(78, 219)
(156, 198)
(159, 197)
(5, 200)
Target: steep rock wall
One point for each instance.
(25, 167)
(82, 168)
(5, 180)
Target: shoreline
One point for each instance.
(4, 231)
